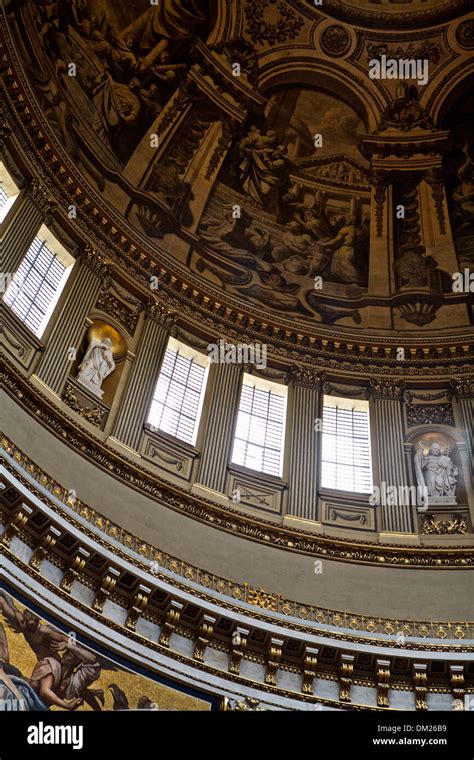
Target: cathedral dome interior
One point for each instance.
(237, 355)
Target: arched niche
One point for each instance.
(327, 76)
(98, 330)
(451, 446)
(457, 116)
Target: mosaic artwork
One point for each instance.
(44, 668)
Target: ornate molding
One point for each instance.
(443, 526)
(462, 387)
(307, 377)
(93, 414)
(430, 414)
(95, 261)
(465, 34)
(387, 390)
(209, 513)
(434, 179)
(116, 309)
(344, 390)
(262, 31)
(161, 314)
(259, 599)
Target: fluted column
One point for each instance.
(30, 210)
(217, 444)
(68, 330)
(305, 443)
(463, 392)
(387, 396)
(143, 376)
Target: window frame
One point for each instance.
(49, 243)
(198, 358)
(11, 191)
(352, 405)
(276, 389)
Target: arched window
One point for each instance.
(345, 456)
(260, 429)
(179, 392)
(35, 287)
(8, 191)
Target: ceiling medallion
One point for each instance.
(465, 34)
(335, 40)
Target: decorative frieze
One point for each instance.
(427, 414)
(387, 389)
(444, 526)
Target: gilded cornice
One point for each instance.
(100, 226)
(134, 639)
(231, 594)
(207, 512)
(387, 18)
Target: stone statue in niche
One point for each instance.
(96, 365)
(437, 473)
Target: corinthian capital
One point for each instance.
(462, 387)
(387, 389)
(161, 314)
(307, 376)
(95, 261)
(41, 195)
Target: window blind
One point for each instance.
(178, 396)
(35, 285)
(260, 428)
(346, 458)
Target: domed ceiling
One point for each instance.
(250, 152)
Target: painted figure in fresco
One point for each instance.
(96, 365)
(165, 23)
(16, 693)
(63, 681)
(345, 246)
(264, 168)
(435, 471)
(118, 108)
(70, 675)
(111, 49)
(463, 194)
(312, 217)
(40, 636)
